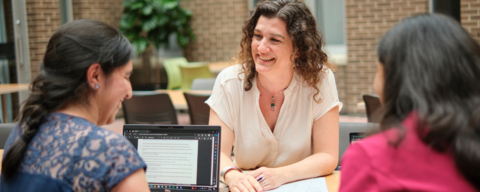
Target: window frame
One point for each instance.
(66, 12)
(338, 53)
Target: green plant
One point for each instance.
(153, 21)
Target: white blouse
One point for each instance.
(255, 144)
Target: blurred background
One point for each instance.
(208, 33)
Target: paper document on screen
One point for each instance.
(170, 161)
(308, 185)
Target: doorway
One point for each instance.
(14, 54)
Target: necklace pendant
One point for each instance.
(272, 105)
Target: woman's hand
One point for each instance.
(270, 178)
(240, 182)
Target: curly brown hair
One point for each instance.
(307, 41)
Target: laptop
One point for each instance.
(179, 158)
(356, 136)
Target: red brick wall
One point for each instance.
(217, 25)
(340, 80)
(470, 17)
(109, 11)
(366, 21)
(43, 18)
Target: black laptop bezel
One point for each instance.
(181, 127)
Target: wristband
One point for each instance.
(227, 169)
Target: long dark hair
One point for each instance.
(306, 39)
(432, 68)
(72, 49)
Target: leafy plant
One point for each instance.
(153, 21)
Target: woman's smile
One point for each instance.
(265, 58)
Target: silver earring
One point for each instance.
(96, 86)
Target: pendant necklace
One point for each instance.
(272, 104)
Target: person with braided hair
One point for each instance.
(428, 80)
(57, 145)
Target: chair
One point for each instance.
(372, 105)
(149, 108)
(198, 110)
(174, 75)
(5, 130)
(203, 84)
(192, 71)
(349, 130)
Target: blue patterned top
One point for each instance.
(72, 154)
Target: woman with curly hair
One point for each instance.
(280, 107)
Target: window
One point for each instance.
(447, 7)
(66, 13)
(252, 4)
(330, 16)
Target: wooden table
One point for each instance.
(361, 105)
(178, 99)
(6, 89)
(216, 67)
(332, 180)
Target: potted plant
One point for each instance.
(151, 22)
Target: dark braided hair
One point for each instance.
(72, 49)
(432, 68)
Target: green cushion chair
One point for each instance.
(174, 75)
(192, 71)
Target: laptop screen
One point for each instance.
(355, 137)
(178, 158)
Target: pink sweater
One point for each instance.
(374, 165)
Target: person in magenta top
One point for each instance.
(428, 80)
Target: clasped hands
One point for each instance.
(262, 179)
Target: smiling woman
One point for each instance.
(57, 145)
(280, 107)
(117, 88)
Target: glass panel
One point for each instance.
(7, 58)
(65, 11)
(330, 15)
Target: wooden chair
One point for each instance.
(198, 110)
(149, 108)
(372, 105)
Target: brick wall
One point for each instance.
(43, 18)
(340, 77)
(366, 21)
(108, 11)
(217, 25)
(470, 17)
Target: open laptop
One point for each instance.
(179, 158)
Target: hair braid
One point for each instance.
(72, 49)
